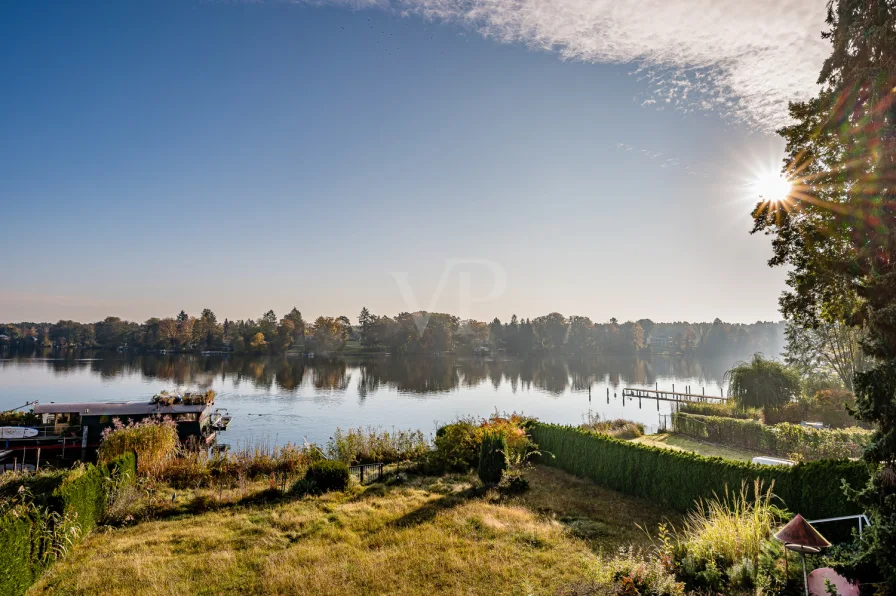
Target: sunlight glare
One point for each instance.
(772, 186)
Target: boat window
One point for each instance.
(188, 417)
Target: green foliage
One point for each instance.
(679, 479)
(492, 458)
(328, 475)
(630, 573)
(19, 419)
(375, 445)
(762, 383)
(513, 483)
(457, 445)
(832, 407)
(783, 440)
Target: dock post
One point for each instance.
(37, 465)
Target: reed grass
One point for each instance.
(731, 527)
(153, 439)
(376, 445)
(618, 428)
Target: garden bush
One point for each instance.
(457, 445)
(492, 458)
(513, 483)
(679, 479)
(328, 475)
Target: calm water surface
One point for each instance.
(280, 399)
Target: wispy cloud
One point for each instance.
(742, 58)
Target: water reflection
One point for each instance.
(416, 375)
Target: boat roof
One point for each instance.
(120, 408)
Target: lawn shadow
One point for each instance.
(428, 511)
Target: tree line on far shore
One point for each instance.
(405, 333)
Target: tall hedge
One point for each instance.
(677, 479)
(26, 531)
(780, 439)
(20, 550)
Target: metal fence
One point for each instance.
(367, 472)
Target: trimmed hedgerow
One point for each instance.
(54, 507)
(783, 439)
(678, 479)
(82, 496)
(328, 475)
(19, 550)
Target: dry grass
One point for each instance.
(683, 443)
(431, 535)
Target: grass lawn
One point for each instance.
(427, 536)
(683, 443)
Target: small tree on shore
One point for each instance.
(762, 383)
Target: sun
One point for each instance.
(771, 186)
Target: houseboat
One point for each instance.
(81, 425)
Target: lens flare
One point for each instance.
(772, 187)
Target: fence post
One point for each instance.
(362, 473)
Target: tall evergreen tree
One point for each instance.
(837, 232)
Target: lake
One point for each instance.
(280, 399)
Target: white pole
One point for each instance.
(805, 576)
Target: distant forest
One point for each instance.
(405, 333)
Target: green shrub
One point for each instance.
(304, 486)
(492, 458)
(328, 475)
(513, 483)
(831, 407)
(679, 479)
(457, 445)
(792, 412)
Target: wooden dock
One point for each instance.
(675, 396)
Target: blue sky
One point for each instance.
(244, 156)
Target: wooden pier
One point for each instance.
(673, 395)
